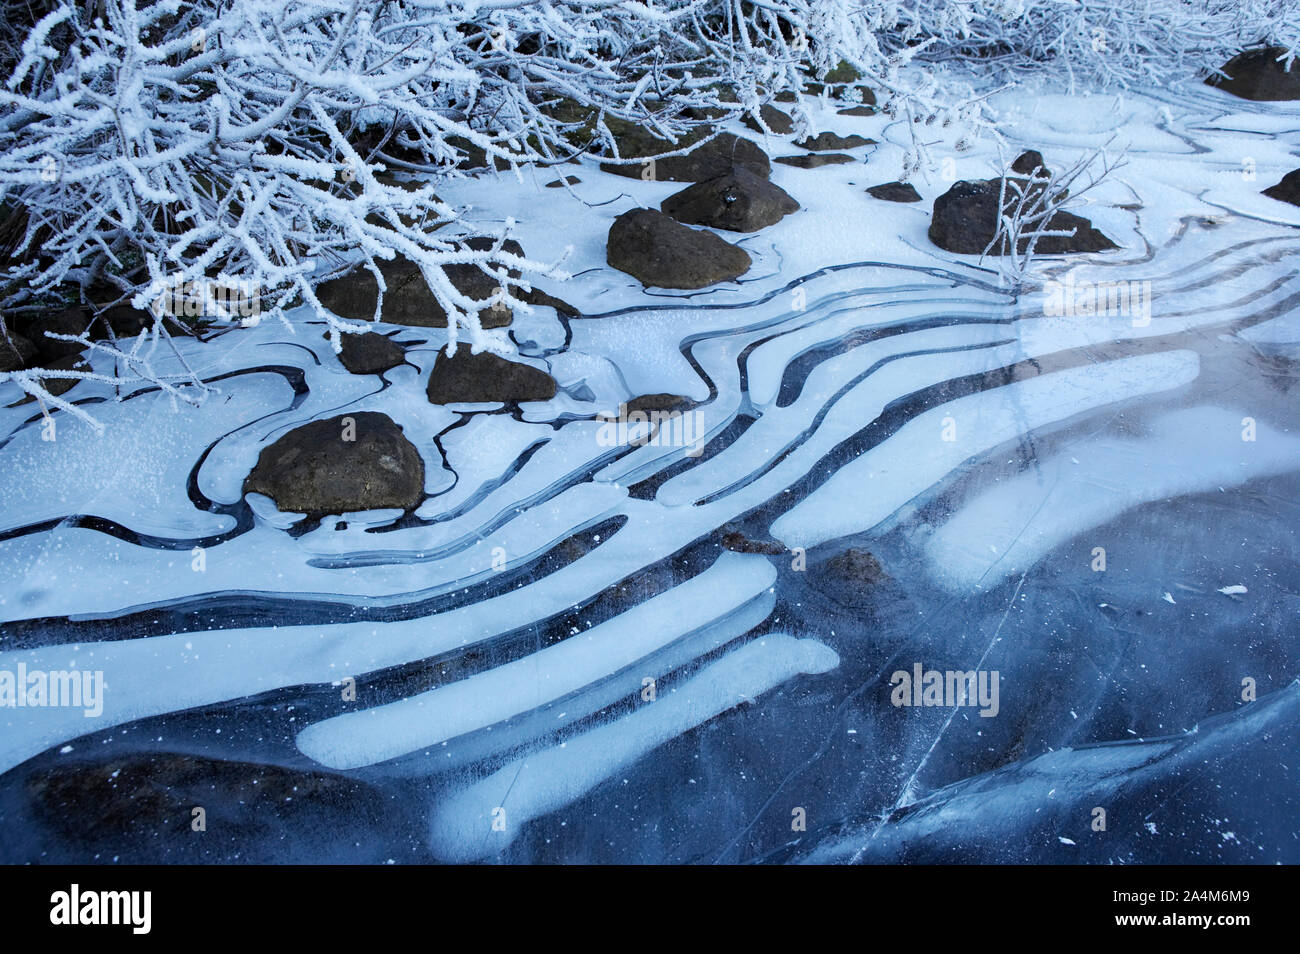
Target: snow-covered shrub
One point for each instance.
(1028, 205)
(1096, 44)
(149, 143)
(146, 144)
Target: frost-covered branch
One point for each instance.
(1028, 204)
(146, 144)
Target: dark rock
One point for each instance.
(407, 183)
(484, 378)
(966, 216)
(74, 320)
(315, 469)
(738, 201)
(708, 161)
(841, 91)
(1031, 173)
(1030, 163)
(706, 113)
(858, 111)
(1257, 74)
(657, 250)
(561, 182)
(839, 81)
(539, 297)
(656, 402)
(485, 243)
(408, 300)
(895, 192)
(777, 121)
(374, 141)
(785, 96)
(474, 156)
(1288, 190)
(404, 181)
(842, 74)
(635, 141)
(815, 160)
(16, 351)
(370, 353)
(849, 577)
(578, 120)
(71, 362)
(827, 141)
(126, 320)
(725, 94)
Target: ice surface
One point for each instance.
(462, 826)
(1154, 793)
(384, 732)
(864, 493)
(1010, 527)
(499, 633)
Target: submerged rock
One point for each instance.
(714, 158)
(657, 250)
(738, 542)
(738, 201)
(1288, 190)
(359, 461)
(1259, 75)
(815, 160)
(485, 378)
(966, 216)
(147, 799)
(849, 578)
(895, 192)
(370, 353)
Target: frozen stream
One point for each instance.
(472, 682)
